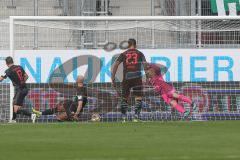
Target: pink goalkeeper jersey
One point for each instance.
(158, 82)
(160, 85)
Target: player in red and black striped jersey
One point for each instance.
(133, 61)
(18, 77)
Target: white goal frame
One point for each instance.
(12, 19)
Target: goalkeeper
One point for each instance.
(69, 109)
(170, 96)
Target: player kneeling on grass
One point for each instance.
(18, 77)
(170, 96)
(69, 109)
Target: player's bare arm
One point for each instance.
(61, 117)
(79, 108)
(1, 78)
(114, 70)
(25, 76)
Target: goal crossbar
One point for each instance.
(123, 18)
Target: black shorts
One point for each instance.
(71, 106)
(19, 96)
(133, 86)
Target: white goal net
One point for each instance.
(70, 46)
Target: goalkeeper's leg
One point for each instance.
(187, 100)
(180, 108)
(169, 100)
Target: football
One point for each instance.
(95, 117)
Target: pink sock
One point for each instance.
(179, 108)
(185, 99)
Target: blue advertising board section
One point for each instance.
(185, 65)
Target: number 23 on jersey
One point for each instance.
(131, 59)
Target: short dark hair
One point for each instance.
(9, 60)
(132, 42)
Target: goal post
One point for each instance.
(43, 43)
(11, 43)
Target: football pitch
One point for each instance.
(215, 140)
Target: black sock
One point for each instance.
(49, 111)
(138, 107)
(24, 112)
(14, 116)
(124, 107)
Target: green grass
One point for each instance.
(218, 140)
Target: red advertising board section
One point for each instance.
(211, 98)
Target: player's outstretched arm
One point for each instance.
(79, 108)
(114, 68)
(113, 71)
(2, 78)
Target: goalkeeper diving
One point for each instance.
(69, 109)
(155, 74)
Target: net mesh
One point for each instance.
(50, 34)
(216, 100)
(4, 102)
